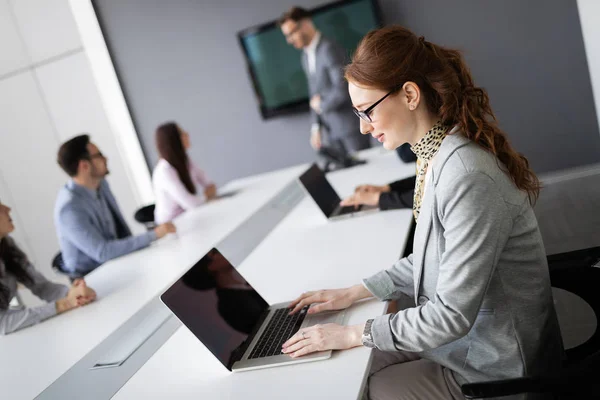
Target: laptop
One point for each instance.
(244, 332)
(318, 187)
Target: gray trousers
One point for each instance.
(404, 376)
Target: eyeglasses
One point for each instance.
(366, 115)
(290, 33)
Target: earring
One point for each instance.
(412, 106)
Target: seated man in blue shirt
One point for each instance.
(91, 229)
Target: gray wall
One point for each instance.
(530, 57)
(180, 60)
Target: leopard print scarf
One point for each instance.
(425, 149)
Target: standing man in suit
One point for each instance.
(334, 128)
(91, 229)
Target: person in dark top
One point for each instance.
(395, 195)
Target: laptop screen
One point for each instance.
(320, 190)
(217, 304)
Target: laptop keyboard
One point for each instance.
(280, 328)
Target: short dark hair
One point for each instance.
(295, 14)
(73, 151)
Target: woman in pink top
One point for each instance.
(178, 183)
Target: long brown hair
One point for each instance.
(15, 263)
(170, 148)
(387, 58)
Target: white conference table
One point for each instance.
(33, 358)
(304, 252)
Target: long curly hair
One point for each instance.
(387, 58)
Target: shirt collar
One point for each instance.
(429, 144)
(94, 194)
(312, 47)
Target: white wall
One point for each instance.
(589, 14)
(49, 93)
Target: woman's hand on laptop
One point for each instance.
(331, 299)
(323, 337)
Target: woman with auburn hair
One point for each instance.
(482, 305)
(179, 184)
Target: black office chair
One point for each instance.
(145, 216)
(579, 377)
(58, 265)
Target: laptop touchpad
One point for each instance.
(325, 318)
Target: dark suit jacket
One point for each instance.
(328, 81)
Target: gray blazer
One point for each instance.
(478, 275)
(13, 319)
(328, 81)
